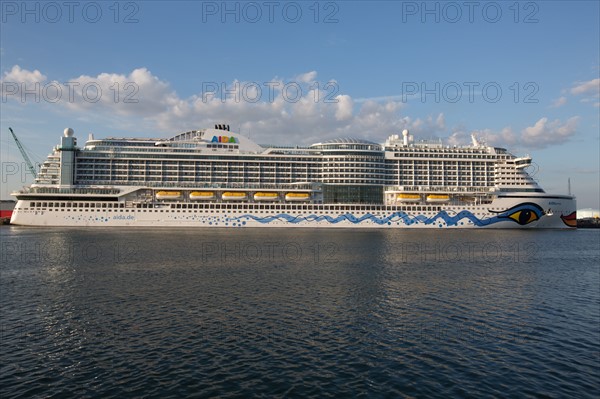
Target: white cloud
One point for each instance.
(505, 137)
(345, 107)
(427, 128)
(559, 102)
(542, 134)
(545, 133)
(142, 100)
(590, 91)
(441, 121)
(22, 85)
(19, 75)
(307, 77)
(138, 94)
(592, 86)
(267, 113)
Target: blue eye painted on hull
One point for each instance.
(522, 214)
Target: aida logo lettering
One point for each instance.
(223, 139)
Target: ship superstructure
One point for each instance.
(214, 177)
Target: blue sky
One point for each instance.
(522, 75)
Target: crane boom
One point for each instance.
(24, 154)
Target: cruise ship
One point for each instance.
(217, 178)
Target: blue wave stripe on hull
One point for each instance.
(394, 217)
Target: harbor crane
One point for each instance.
(24, 154)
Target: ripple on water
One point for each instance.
(172, 321)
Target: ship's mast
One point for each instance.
(24, 154)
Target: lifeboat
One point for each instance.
(409, 197)
(202, 195)
(172, 195)
(297, 196)
(266, 196)
(438, 198)
(234, 196)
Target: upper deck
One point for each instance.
(220, 158)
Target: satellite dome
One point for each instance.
(68, 132)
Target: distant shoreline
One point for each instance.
(588, 223)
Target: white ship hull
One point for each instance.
(229, 181)
(507, 212)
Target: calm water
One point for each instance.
(299, 313)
